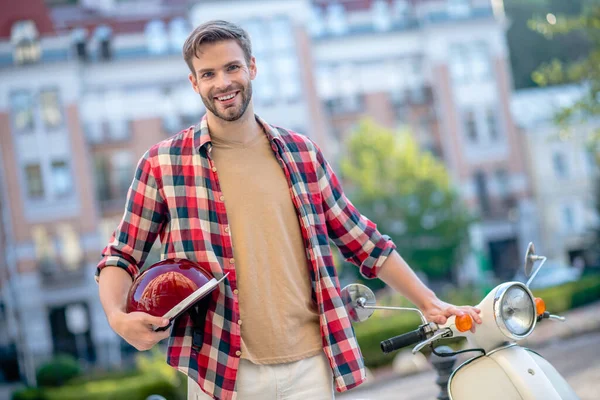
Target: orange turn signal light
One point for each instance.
(463, 322)
(540, 306)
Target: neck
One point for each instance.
(243, 130)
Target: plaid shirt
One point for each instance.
(176, 194)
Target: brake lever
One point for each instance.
(446, 332)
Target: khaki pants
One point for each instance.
(310, 378)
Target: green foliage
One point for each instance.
(153, 376)
(58, 371)
(585, 70)
(29, 394)
(529, 48)
(570, 295)
(383, 326)
(407, 193)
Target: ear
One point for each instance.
(252, 68)
(194, 82)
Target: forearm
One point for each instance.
(396, 273)
(114, 284)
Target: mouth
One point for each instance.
(227, 98)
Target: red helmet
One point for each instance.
(164, 285)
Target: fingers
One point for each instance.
(156, 321)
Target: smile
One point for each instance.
(227, 97)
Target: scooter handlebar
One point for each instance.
(400, 341)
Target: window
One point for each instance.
(560, 165)
(317, 26)
(492, 124)
(401, 9)
(35, 183)
(480, 61)
(458, 63)
(103, 35)
(24, 38)
(568, 218)
(156, 37)
(122, 172)
(482, 192)
(469, 62)
(62, 180)
(336, 19)
(282, 33)
(71, 251)
(471, 126)
(51, 110)
(178, 33)
(264, 82)
(22, 111)
(458, 8)
(256, 30)
(288, 72)
(381, 15)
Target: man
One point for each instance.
(260, 203)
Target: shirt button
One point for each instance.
(238, 353)
(231, 261)
(222, 198)
(227, 229)
(235, 291)
(239, 322)
(214, 169)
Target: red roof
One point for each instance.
(13, 11)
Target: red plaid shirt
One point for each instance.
(176, 194)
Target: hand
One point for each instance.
(438, 311)
(137, 329)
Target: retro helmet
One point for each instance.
(164, 285)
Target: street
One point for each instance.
(576, 359)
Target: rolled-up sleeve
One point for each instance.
(142, 222)
(354, 234)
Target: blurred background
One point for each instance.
(464, 128)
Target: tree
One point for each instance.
(407, 193)
(528, 48)
(584, 71)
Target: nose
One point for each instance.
(223, 82)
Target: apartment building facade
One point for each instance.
(563, 170)
(88, 87)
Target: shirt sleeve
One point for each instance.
(354, 234)
(143, 219)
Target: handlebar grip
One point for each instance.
(400, 341)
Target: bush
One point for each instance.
(58, 371)
(29, 394)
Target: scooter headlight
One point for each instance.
(514, 308)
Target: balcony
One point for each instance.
(53, 274)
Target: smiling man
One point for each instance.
(260, 203)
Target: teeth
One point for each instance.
(231, 96)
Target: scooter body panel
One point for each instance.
(510, 373)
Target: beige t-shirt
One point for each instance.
(280, 322)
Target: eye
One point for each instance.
(233, 67)
(207, 75)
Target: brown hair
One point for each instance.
(212, 32)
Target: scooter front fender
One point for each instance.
(509, 373)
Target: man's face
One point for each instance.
(223, 79)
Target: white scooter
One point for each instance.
(503, 370)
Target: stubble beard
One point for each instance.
(234, 113)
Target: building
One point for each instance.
(563, 171)
(88, 86)
(440, 68)
(87, 89)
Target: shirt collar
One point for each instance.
(202, 135)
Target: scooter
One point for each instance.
(503, 370)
